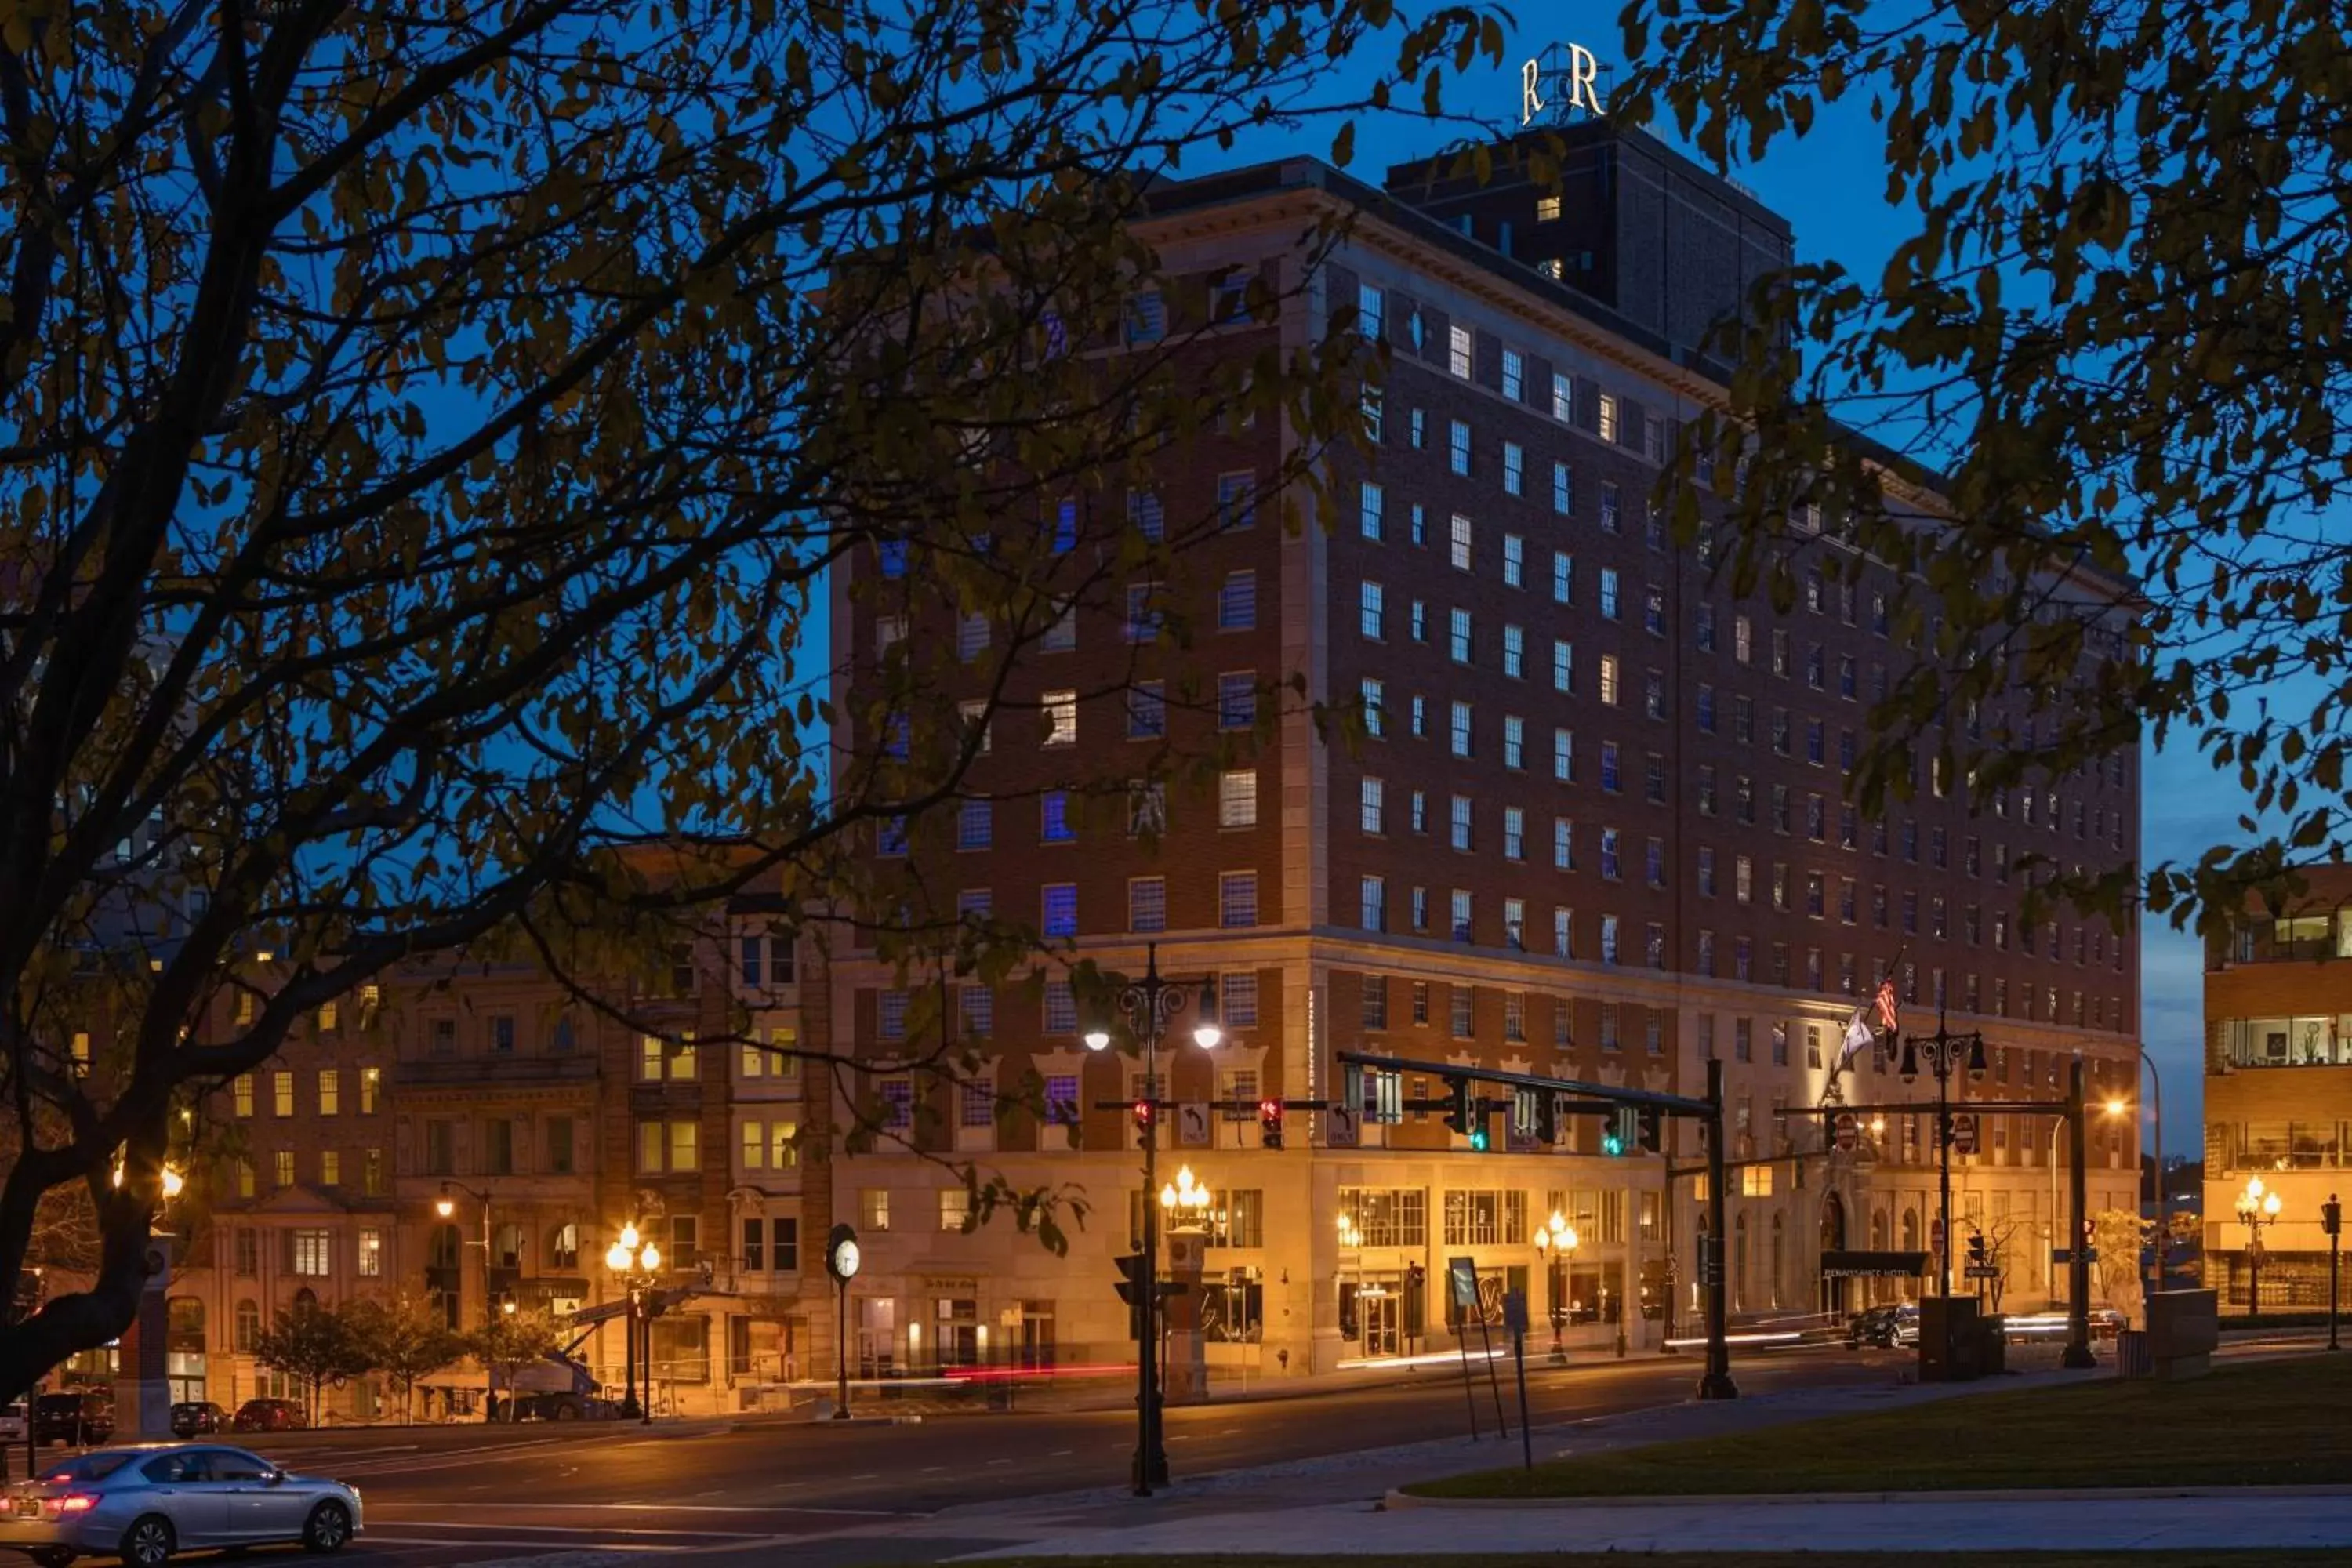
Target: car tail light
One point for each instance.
(73, 1502)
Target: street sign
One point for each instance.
(1340, 1124)
(1851, 1265)
(1964, 1132)
(1192, 1125)
(1984, 1271)
(2062, 1255)
(1848, 1129)
(1935, 1234)
(1515, 1311)
(1462, 1281)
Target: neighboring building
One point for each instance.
(1595, 829)
(543, 1124)
(2278, 1088)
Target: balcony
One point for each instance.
(493, 1071)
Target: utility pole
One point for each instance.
(2078, 1257)
(1715, 1383)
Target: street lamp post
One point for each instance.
(1944, 1053)
(2257, 1207)
(446, 1205)
(1555, 1242)
(2163, 1200)
(638, 1263)
(1149, 1004)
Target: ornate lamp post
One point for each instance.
(638, 1263)
(1185, 1204)
(1555, 1242)
(1149, 1004)
(1943, 1054)
(2257, 1207)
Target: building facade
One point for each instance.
(474, 1137)
(2278, 1093)
(1589, 821)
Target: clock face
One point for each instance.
(844, 1259)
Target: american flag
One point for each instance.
(1884, 1001)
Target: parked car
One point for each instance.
(270, 1416)
(80, 1419)
(12, 1424)
(143, 1504)
(199, 1417)
(1883, 1328)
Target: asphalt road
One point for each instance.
(790, 1492)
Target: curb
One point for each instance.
(1399, 1500)
(772, 1424)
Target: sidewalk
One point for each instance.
(1332, 1507)
(2018, 1523)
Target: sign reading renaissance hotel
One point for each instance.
(1573, 84)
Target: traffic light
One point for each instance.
(1462, 1112)
(1623, 1130)
(2331, 1218)
(1269, 1123)
(1649, 1130)
(1134, 1290)
(1976, 1249)
(1547, 1118)
(1143, 1109)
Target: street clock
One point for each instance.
(841, 1253)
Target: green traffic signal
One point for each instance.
(1611, 1143)
(1479, 1139)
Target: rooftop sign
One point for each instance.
(1576, 85)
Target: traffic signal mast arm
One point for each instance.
(1602, 1098)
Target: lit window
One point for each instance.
(1061, 718)
(1237, 799)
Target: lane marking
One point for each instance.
(585, 1530)
(535, 1547)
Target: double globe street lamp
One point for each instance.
(638, 1263)
(1556, 1241)
(2257, 1207)
(1149, 1004)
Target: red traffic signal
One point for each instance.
(1269, 1123)
(1144, 1110)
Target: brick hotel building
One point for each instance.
(1596, 829)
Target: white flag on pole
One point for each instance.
(1857, 1035)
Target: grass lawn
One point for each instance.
(2272, 1423)
(1736, 1560)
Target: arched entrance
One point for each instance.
(1837, 1295)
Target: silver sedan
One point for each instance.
(143, 1504)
